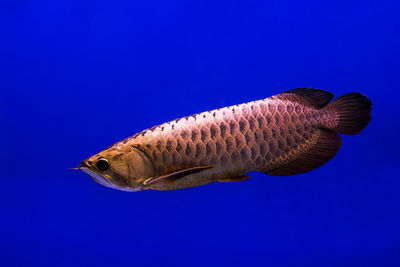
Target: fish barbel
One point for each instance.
(290, 133)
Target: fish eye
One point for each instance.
(102, 165)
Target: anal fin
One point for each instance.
(326, 147)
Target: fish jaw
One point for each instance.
(103, 180)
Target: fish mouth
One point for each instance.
(83, 164)
(102, 179)
(86, 168)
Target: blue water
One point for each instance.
(78, 76)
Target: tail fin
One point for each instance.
(353, 113)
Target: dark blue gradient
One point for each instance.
(78, 76)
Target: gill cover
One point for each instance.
(140, 167)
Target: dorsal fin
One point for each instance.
(326, 147)
(307, 96)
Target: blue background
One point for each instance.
(78, 76)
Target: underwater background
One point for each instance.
(78, 76)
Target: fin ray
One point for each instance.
(353, 113)
(308, 96)
(326, 147)
(172, 177)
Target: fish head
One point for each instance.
(122, 170)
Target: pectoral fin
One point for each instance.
(234, 179)
(172, 177)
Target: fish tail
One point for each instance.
(352, 113)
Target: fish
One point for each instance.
(290, 133)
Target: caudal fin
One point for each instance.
(352, 113)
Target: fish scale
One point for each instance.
(290, 133)
(250, 136)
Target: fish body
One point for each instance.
(289, 133)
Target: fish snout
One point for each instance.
(85, 164)
(81, 165)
